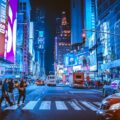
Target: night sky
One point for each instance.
(53, 9)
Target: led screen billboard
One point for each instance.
(92, 41)
(3, 25)
(70, 60)
(93, 61)
(10, 46)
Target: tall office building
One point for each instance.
(22, 53)
(62, 40)
(77, 21)
(109, 44)
(38, 16)
(83, 23)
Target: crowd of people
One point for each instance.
(8, 88)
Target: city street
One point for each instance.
(55, 103)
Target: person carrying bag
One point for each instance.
(22, 91)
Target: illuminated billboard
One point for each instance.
(70, 59)
(10, 46)
(93, 61)
(3, 25)
(92, 41)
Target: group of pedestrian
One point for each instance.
(8, 87)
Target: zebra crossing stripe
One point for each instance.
(97, 103)
(14, 107)
(78, 104)
(74, 106)
(30, 105)
(60, 105)
(89, 105)
(45, 105)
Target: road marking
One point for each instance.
(97, 103)
(30, 105)
(14, 107)
(45, 105)
(60, 105)
(84, 92)
(89, 105)
(74, 106)
(77, 103)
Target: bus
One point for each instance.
(51, 80)
(76, 79)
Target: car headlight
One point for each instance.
(115, 106)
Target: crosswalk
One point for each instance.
(57, 105)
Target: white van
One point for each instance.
(51, 80)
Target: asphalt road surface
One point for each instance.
(54, 103)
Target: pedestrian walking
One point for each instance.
(22, 91)
(11, 91)
(5, 93)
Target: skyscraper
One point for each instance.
(62, 40)
(83, 17)
(77, 21)
(22, 54)
(109, 42)
(38, 16)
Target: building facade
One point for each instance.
(8, 25)
(38, 17)
(62, 42)
(22, 53)
(77, 21)
(108, 40)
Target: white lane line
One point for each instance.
(45, 105)
(60, 105)
(97, 103)
(83, 108)
(14, 107)
(30, 105)
(74, 106)
(89, 105)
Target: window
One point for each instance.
(24, 6)
(20, 6)
(73, 3)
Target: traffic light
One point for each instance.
(83, 37)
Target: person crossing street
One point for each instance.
(22, 91)
(11, 90)
(5, 88)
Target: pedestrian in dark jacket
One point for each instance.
(11, 92)
(5, 93)
(22, 91)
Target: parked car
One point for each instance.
(39, 82)
(110, 108)
(114, 87)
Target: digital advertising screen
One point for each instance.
(3, 25)
(10, 46)
(93, 61)
(104, 37)
(92, 41)
(70, 60)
